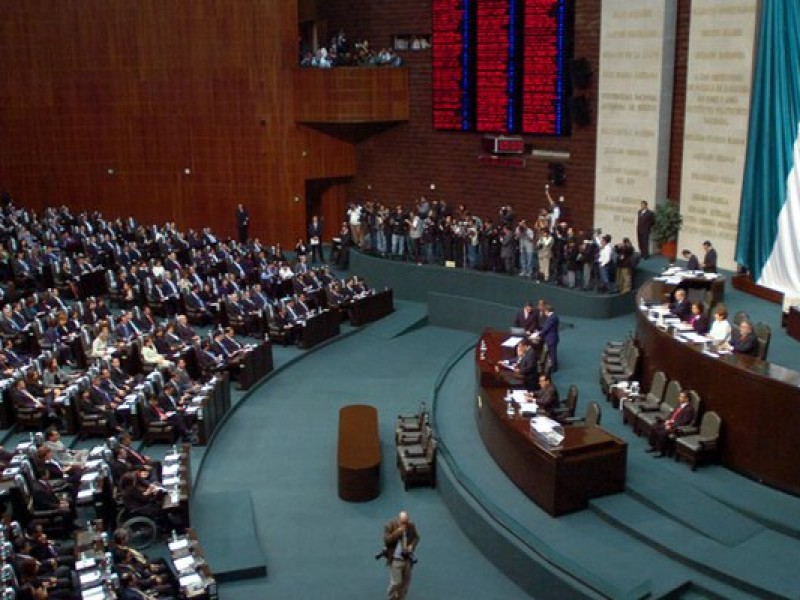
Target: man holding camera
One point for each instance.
(400, 539)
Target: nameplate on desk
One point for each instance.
(178, 544)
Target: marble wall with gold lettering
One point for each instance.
(637, 50)
(720, 67)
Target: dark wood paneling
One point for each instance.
(351, 95)
(148, 88)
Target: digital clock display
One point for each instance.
(499, 65)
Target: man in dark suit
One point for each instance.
(746, 341)
(682, 415)
(692, 263)
(680, 306)
(710, 258)
(526, 318)
(645, 219)
(547, 399)
(154, 412)
(526, 366)
(242, 223)
(400, 540)
(549, 334)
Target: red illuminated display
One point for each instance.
(541, 88)
(492, 101)
(450, 93)
(498, 65)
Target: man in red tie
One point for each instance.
(682, 415)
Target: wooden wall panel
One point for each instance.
(351, 95)
(401, 163)
(149, 88)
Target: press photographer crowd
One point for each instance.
(544, 248)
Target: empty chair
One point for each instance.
(419, 469)
(590, 419)
(703, 445)
(654, 396)
(412, 423)
(764, 335)
(649, 416)
(567, 411)
(625, 371)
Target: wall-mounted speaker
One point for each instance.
(581, 73)
(579, 111)
(556, 174)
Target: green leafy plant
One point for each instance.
(668, 221)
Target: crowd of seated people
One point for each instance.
(341, 53)
(544, 248)
(39, 523)
(161, 284)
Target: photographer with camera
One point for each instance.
(400, 539)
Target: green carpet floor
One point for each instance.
(281, 445)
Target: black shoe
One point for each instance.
(650, 450)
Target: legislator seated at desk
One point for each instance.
(547, 400)
(680, 306)
(527, 319)
(745, 341)
(698, 319)
(524, 367)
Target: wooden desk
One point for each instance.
(759, 402)
(371, 308)
(320, 327)
(589, 463)
(359, 453)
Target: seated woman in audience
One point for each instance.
(53, 376)
(720, 332)
(698, 320)
(151, 356)
(100, 345)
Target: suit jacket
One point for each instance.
(391, 539)
(693, 264)
(710, 261)
(547, 400)
(682, 310)
(645, 219)
(682, 415)
(745, 345)
(529, 322)
(700, 323)
(549, 332)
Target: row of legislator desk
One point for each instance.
(370, 307)
(759, 402)
(588, 463)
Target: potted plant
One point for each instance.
(668, 221)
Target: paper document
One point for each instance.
(511, 342)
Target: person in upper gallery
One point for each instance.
(242, 223)
(692, 262)
(526, 318)
(547, 399)
(745, 341)
(680, 306)
(645, 220)
(720, 331)
(698, 320)
(710, 258)
(549, 334)
(681, 415)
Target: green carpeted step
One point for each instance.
(766, 505)
(765, 564)
(694, 509)
(225, 525)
